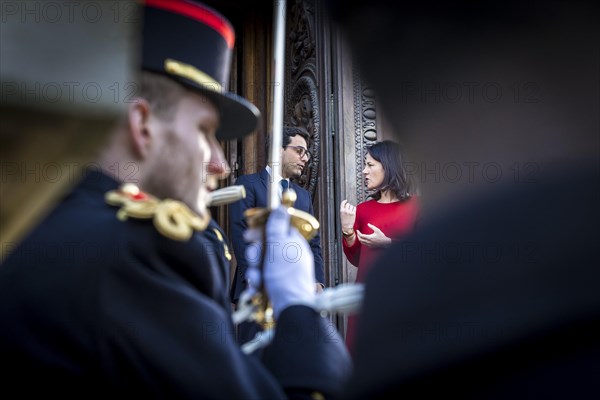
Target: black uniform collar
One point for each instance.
(98, 181)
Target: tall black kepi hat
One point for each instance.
(192, 44)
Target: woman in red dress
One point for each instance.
(388, 215)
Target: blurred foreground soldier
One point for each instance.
(497, 294)
(117, 292)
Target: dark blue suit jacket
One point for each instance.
(256, 196)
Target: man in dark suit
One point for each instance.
(117, 293)
(294, 158)
(496, 294)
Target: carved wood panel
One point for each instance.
(302, 96)
(365, 129)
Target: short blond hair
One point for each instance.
(162, 93)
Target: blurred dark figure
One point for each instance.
(497, 295)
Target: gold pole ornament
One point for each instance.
(306, 224)
(256, 218)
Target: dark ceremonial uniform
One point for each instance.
(93, 306)
(221, 249)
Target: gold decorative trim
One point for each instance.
(226, 251)
(171, 218)
(176, 221)
(193, 74)
(218, 234)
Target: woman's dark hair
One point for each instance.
(395, 178)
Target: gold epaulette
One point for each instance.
(171, 218)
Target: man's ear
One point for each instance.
(139, 131)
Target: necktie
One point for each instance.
(284, 185)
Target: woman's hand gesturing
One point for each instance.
(375, 239)
(347, 216)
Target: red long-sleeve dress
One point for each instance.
(395, 220)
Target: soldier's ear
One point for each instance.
(139, 132)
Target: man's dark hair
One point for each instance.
(288, 133)
(395, 178)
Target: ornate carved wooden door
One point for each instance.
(325, 95)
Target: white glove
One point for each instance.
(289, 273)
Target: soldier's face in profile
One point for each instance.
(186, 145)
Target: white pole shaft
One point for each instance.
(277, 113)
